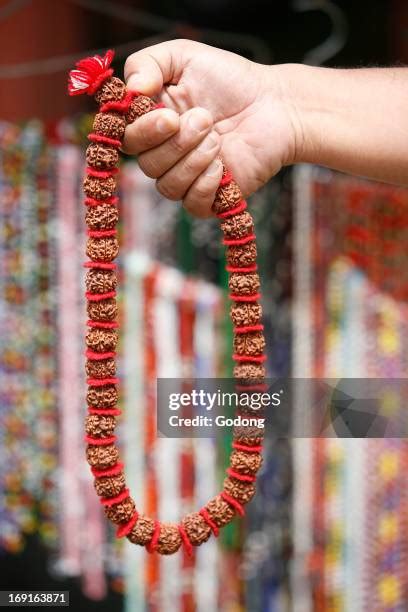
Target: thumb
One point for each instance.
(148, 70)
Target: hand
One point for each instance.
(218, 104)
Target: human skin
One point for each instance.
(259, 118)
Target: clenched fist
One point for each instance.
(218, 104)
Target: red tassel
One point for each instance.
(89, 74)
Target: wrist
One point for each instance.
(303, 104)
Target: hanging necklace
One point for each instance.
(119, 107)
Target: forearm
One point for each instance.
(355, 121)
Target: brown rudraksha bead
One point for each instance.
(121, 512)
(139, 106)
(244, 284)
(102, 457)
(100, 281)
(100, 368)
(248, 435)
(220, 512)
(250, 343)
(242, 255)
(238, 226)
(109, 486)
(245, 313)
(245, 463)
(251, 372)
(99, 426)
(102, 249)
(105, 310)
(99, 188)
(227, 197)
(169, 540)
(102, 397)
(198, 531)
(143, 530)
(101, 156)
(241, 491)
(101, 340)
(111, 125)
(112, 90)
(102, 217)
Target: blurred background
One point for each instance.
(327, 530)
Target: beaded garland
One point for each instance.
(119, 107)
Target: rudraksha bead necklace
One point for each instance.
(117, 108)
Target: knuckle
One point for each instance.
(180, 44)
(149, 166)
(182, 41)
(192, 163)
(146, 136)
(200, 209)
(168, 190)
(203, 190)
(178, 146)
(136, 141)
(128, 68)
(204, 114)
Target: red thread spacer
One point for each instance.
(97, 297)
(242, 270)
(99, 356)
(238, 241)
(251, 358)
(122, 106)
(112, 471)
(101, 173)
(233, 211)
(209, 522)
(112, 201)
(105, 411)
(244, 298)
(101, 233)
(100, 441)
(104, 140)
(246, 448)
(226, 179)
(233, 502)
(248, 328)
(101, 382)
(263, 387)
(101, 265)
(186, 540)
(151, 546)
(103, 325)
(125, 529)
(238, 476)
(111, 501)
